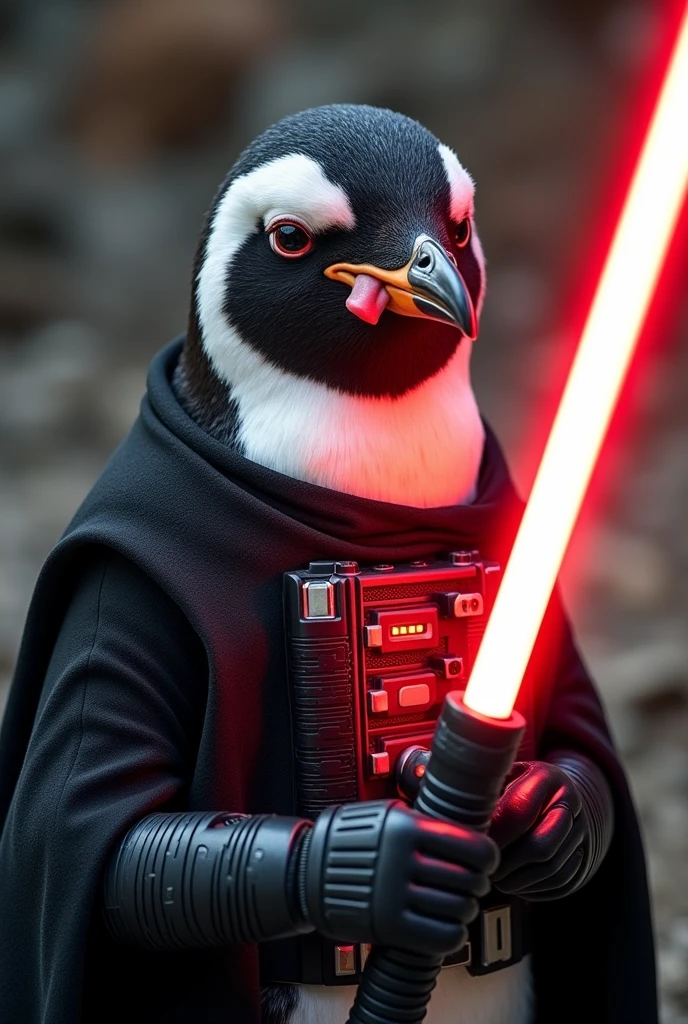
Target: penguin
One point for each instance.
(337, 291)
(320, 407)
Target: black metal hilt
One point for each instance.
(470, 757)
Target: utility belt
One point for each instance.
(498, 938)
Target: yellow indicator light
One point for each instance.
(414, 630)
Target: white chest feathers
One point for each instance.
(505, 997)
(422, 449)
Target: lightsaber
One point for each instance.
(478, 732)
(609, 337)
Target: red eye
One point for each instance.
(462, 232)
(290, 239)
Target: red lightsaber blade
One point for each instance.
(607, 343)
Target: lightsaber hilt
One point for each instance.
(470, 757)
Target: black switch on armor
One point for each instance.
(447, 665)
(346, 568)
(460, 557)
(321, 568)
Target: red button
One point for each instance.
(378, 701)
(379, 763)
(410, 696)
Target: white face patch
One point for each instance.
(461, 185)
(462, 191)
(290, 185)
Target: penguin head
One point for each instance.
(337, 288)
(341, 248)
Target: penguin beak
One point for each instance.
(430, 285)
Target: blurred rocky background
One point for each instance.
(117, 122)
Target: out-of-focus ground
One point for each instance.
(118, 121)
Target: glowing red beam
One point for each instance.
(609, 337)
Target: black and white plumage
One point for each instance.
(276, 364)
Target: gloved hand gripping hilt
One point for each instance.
(198, 879)
(374, 871)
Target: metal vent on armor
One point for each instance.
(322, 688)
(375, 595)
(375, 662)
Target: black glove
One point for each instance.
(553, 824)
(380, 872)
(374, 871)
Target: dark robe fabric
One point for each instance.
(152, 675)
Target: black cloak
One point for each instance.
(187, 708)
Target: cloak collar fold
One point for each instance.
(361, 521)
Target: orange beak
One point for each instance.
(429, 285)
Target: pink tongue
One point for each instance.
(368, 298)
